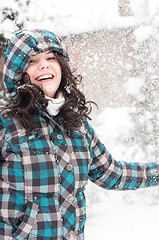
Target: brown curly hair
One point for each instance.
(30, 98)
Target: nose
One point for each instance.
(44, 65)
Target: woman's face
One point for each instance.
(44, 70)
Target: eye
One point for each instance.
(51, 58)
(32, 61)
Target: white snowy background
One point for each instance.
(110, 215)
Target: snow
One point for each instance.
(114, 219)
(115, 123)
(131, 215)
(133, 85)
(143, 32)
(119, 215)
(68, 16)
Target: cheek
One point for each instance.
(60, 74)
(29, 71)
(58, 69)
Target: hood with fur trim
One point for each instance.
(21, 48)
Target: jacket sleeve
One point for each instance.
(111, 174)
(11, 198)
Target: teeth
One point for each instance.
(44, 77)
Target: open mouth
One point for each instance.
(45, 77)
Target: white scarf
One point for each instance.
(54, 104)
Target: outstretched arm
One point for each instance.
(111, 174)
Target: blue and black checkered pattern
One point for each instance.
(21, 48)
(43, 177)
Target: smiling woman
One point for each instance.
(43, 71)
(48, 150)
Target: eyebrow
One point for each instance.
(46, 53)
(49, 52)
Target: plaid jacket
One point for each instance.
(43, 177)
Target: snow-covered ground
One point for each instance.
(121, 215)
(114, 219)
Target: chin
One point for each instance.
(51, 95)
